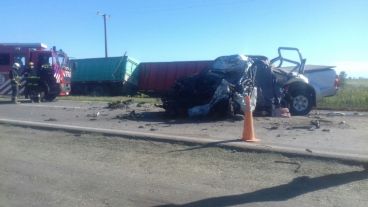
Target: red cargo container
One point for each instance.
(159, 77)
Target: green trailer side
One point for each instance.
(101, 76)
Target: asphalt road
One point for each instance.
(343, 135)
(54, 168)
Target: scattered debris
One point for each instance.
(312, 128)
(336, 114)
(94, 114)
(307, 127)
(316, 123)
(325, 120)
(130, 115)
(342, 122)
(343, 125)
(326, 130)
(133, 115)
(308, 150)
(153, 129)
(51, 119)
(281, 112)
(140, 127)
(274, 127)
(140, 104)
(167, 125)
(120, 104)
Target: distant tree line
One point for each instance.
(342, 77)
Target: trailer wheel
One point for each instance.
(301, 103)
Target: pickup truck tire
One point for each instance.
(301, 103)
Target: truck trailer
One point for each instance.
(156, 78)
(101, 76)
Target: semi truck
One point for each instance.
(101, 76)
(56, 62)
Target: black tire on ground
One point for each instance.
(301, 103)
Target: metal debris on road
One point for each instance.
(308, 150)
(120, 104)
(94, 114)
(50, 119)
(316, 123)
(336, 114)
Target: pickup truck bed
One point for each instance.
(323, 79)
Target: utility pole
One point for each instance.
(104, 19)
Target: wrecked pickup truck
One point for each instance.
(219, 90)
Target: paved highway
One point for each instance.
(55, 168)
(343, 135)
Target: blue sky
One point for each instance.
(328, 32)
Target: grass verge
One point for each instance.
(353, 97)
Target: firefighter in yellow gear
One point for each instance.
(14, 77)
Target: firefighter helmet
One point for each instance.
(31, 64)
(16, 66)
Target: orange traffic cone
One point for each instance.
(248, 130)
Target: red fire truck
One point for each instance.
(55, 61)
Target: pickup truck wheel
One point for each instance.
(301, 103)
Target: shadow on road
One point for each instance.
(5, 102)
(162, 118)
(296, 187)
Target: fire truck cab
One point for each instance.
(54, 64)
